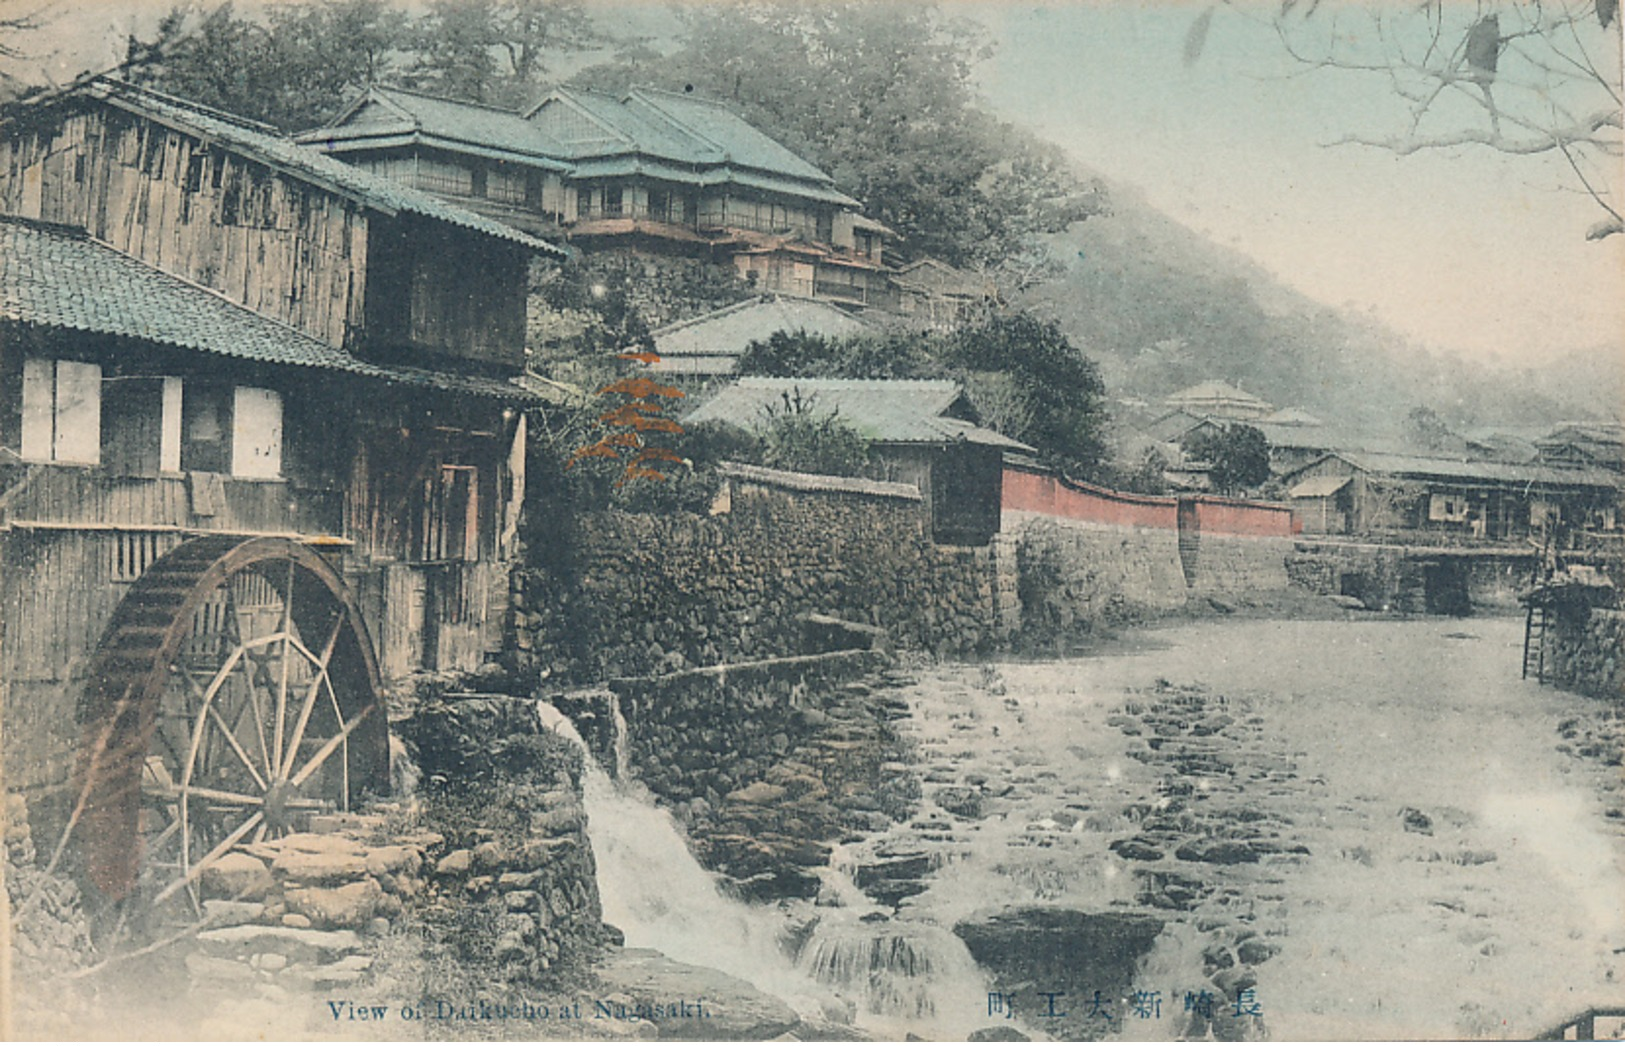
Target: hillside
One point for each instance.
(1161, 307)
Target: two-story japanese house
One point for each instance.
(647, 170)
(262, 425)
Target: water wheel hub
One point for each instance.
(278, 813)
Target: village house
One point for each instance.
(647, 170)
(920, 432)
(262, 428)
(709, 346)
(1367, 493)
(1218, 399)
(1584, 445)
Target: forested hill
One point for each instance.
(883, 97)
(1161, 307)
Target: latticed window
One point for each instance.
(451, 179)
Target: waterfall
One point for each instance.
(854, 965)
(903, 976)
(620, 745)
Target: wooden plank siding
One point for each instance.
(279, 246)
(60, 496)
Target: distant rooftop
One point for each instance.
(712, 343)
(1459, 468)
(882, 411)
(1217, 397)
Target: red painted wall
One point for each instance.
(1215, 515)
(1027, 490)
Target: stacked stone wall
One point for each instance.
(1075, 575)
(1584, 651)
(1234, 563)
(643, 594)
(510, 875)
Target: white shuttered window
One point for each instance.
(62, 411)
(256, 437)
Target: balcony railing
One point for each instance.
(673, 216)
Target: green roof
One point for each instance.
(56, 277)
(268, 146)
(586, 134)
(399, 117)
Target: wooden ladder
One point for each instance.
(1534, 643)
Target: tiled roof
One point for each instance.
(703, 121)
(882, 411)
(726, 332)
(59, 278)
(1217, 391)
(270, 147)
(385, 111)
(1484, 471)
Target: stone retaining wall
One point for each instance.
(510, 878)
(1234, 563)
(1074, 575)
(765, 763)
(1584, 652)
(643, 594)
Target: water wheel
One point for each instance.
(234, 694)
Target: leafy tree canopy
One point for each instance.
(1024, 376)
(1238, 456)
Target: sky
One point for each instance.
(1467, 251)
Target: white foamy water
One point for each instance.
(889, 977)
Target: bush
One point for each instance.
(799, 439)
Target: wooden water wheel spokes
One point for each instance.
(237, 695)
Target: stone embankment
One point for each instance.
(513, 883)
(640, 594)
(766, 764)
(1586, 652)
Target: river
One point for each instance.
(1433, 865)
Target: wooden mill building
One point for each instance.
(261, 456)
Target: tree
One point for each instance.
(15, 21)
(495, 51)
(1525, 78)
(1238, 456)
(1424, 428)
(801, 438)
(1055, 398)
(294, 70)
(798, 354)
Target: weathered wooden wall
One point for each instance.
(279, 246)
(438, 291)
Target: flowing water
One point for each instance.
(1501, 920)
(886, 976)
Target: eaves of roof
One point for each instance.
(266, 146)
(56, 278)
(359, 139)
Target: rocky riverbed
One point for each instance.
(1344, 829)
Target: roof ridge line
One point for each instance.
(727, 157)
(415, 93)
(759, 299)
(117, 86)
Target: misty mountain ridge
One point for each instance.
(1160, 307)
